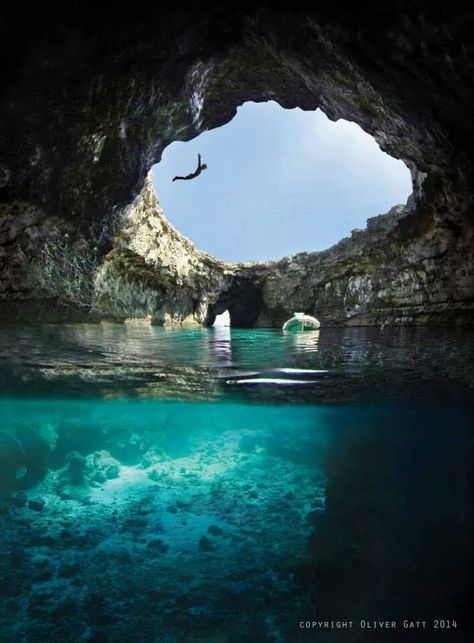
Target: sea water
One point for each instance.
(226, 485)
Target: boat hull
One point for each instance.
(305, 323)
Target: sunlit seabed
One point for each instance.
(218, 484)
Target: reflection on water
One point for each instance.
(223, 485)
(306, 342)
(147, 361)
(220, 342)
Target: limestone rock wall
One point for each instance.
(154, 270)
(377, 276)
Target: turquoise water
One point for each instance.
(218, 485)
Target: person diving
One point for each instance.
(193, 175)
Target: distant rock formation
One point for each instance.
(377, 276)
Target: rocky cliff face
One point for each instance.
(380, 275)
(90, 100)
(155, 271)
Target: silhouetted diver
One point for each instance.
(200, 168)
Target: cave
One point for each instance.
(243, 300)
(77, 146)
(165, 479)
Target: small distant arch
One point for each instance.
(222, 320)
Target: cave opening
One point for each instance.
(278, 182)
(222, 320)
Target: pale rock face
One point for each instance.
(154, 270)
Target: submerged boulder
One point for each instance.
(158, 546)
(76, 468)
(79, 473)
(205, 544)
(20, 500)
(38, 443)
(12, 459)
(37, 504)
(101, 466)
(215, 530)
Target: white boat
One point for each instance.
(301, 321)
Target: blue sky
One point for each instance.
(278, 182)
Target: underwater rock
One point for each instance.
(72, 480)
(38, 443)
(74, 538)
(10, 447)
(100, 477)
(21, 473)
(20, 499)
(249, 442)
(76, 468)
(315, 516)
(48, 434)
(293, 447)
(97, 637)
(153, 456)
(134, 524)
(45, 540)
(69, 568)
(78, 493)
(183, 504)
(42, 568)
(215, 530)
(158, 545)
(101, 466)
(130, 450)
(205, 544)
(18, 555)
(37, 504)
(12, 458)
